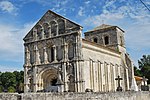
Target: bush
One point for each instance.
(11, 89)
(1, 89)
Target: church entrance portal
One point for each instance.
(49, 80)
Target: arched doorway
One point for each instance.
(48, 80)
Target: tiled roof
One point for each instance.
(103, 26)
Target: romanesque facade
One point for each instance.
(58, 59)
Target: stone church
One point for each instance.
(58, 59)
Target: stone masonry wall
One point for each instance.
(130, 95)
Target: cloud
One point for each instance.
(87, 2)
(81, 11)
(11, 40)
(131, 17)
(7, 6)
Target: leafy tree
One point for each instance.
(19, 79)
(7, 79)
(137, 72)
(11, 81)
(144, 65)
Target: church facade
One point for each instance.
(58, 59)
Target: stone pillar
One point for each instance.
(27, 57)
(34, 79)
(26, 80)
(54, 48)
(134, 86)
(65, 52)
(76, 76)
(75, 51)
(36, 56)
(115, 75)
(49, 31)
(45, 56)
(65, 77)
(127, 78)
(35, 34)
(101, 75)
(57, 30)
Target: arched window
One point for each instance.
(39, 31)
(53, 28)
(121, 41)
(95, 40)
(61, 26)
(106, 40)
(70, 51)
(46, 29)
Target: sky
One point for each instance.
(17, 17)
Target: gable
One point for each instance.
(54, 23)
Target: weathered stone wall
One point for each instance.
(130, 95)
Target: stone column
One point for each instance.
(101, 75)
(65, 52)
(57, 32)
(45, 56)
(36, 55)
(35, 34)
(34, 79)
(27, 57)
(134, 86)
(76, 76)
(54, 48)
(127, 78)
(26, 80)
(64, 65)
(75, 51)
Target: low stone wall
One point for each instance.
(130, 95)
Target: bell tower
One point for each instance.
(108, 36)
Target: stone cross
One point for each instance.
(144, 87)
(119, 88)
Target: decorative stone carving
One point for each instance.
(37, 55)
(45, 56)
(27, 57)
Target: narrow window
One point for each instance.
(53, 28)
(106, 38)
(46, 29)
(95, 40)
(52, 54)
(121, 41)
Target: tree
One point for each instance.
(11, 81)
(7, 79)
(137, 72)
(19, 79)
(144, 65)
(11, 89)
